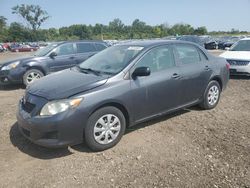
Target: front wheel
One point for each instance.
(105, 128)
(211, 96)
(31, 75)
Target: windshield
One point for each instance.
(44, 51)
(111, 60)
(242, 45)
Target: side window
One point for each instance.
(100, 47)
(158, 59)
(187, 54)
(65, 49)
(85, 47)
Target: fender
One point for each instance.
(36, 65)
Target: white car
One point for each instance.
(238, 56)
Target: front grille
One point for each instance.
(238, 62)
(27, 106)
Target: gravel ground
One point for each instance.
(191, 148)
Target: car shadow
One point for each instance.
(25, 146)
(160, 119)
(11, 87)
(240, 77)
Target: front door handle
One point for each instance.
(207, 68)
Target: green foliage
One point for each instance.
(33, 14)
(3, 30)
(18, 33)
(2, 22)
(116, 29)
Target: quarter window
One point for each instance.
(203, 56)
(158, 59)
(85, 47)
(187, 54)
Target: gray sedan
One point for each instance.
(117, 88)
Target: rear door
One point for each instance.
(158, 92)
(65, 57)
(195, 71)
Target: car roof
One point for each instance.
(70, 41)
(245, 39)
(151, 43)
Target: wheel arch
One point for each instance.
(29, 67)
(117, 105)
(218, 79)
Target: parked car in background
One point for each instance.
(23, 48)
(117, 88)
(54, 57)
(227, 42)
(191, 38)
(1, 48)
(211, 44)
(238, 56)
(6, 46)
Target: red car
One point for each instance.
(23, 48)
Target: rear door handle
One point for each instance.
(176, 76)
(72, 57)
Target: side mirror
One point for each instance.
(52, 55)
(141, 71)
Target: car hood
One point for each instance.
(64, 84)
(239, 55)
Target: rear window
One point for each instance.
(187, 54)
(85, 47)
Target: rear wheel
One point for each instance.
(105, 128)
(32, 75)
(211, 96)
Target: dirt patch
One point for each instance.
(9, 56)
(191, 148)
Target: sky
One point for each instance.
(214, 14)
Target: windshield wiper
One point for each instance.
(87, 70)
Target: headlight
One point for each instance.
(11, 66)
(55, 107)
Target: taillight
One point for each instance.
(228, 66)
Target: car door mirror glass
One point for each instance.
(141, 71)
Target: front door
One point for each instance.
(66, 57)
(158, 92)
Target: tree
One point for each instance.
(2, 22)
(3, 29)
(33, 14)
(18, 33)
(200, 31)
(182, 29)
(116, 26)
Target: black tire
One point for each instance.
(89, 129)
(26, 79)
(206, 103)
